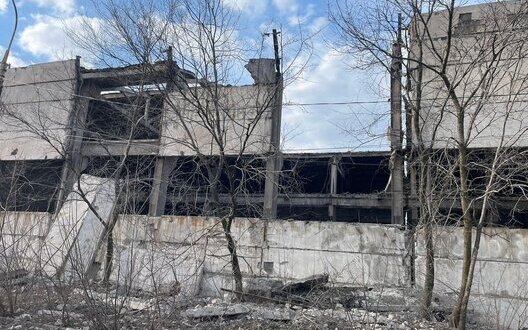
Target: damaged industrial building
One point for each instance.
(62, 120)
(150, 177)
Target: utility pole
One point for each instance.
(273, 162)
(3, 64)
(396, 158)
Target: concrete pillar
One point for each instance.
(74, 163)
(274, 161)
(333, 189)
(158, 196)
(396, 158)
(271, 188)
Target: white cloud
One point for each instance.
(60, 6)
(13, 60)
(286, 5)
(3, 6)
(297, 19)
(320, 128)
(49, 38)
(255, 7)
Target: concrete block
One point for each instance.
(159, 265)
(20, 237)
(76, 232)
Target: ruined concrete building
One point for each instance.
(65, 128)
(479, 60)
(60, 120)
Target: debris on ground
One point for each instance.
(305, 284)
(312, 303)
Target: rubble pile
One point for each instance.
(311, 303)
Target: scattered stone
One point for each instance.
(23, 317)
(386, 308)
(282, 315)
(58, 314)
(211, 312)
(138, 305)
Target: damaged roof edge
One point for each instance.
(130, 74)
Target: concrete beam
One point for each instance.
(118, 148)
(381, 201)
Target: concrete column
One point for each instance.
(271, 188)
(74, 163)
(274, 161)
(158, 196)
(396, 158)
(333, 189)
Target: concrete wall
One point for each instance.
(500, 107)
(243, 111)
(353, 254)
(188, 254)
(500, 287)
(20, 237)
(37, 101)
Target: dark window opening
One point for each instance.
(30, 186)
(117, 119)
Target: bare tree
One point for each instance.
(458, 69)
(217, 136)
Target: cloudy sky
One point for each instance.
(329, 107)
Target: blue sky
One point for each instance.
(326, 79)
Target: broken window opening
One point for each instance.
(118, 119)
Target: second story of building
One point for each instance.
(474, 65)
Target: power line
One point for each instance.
(287, 104)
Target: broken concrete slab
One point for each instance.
(262, 70)
(263, 287)
(77, 229)
(305, 284)
(280, 315)
(211, 312)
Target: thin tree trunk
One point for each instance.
(467, 290)
(235, 266)
(427, 221)
(429, 270)
(110, 235)
(109, 256)
(466, 216)
(214, 175)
